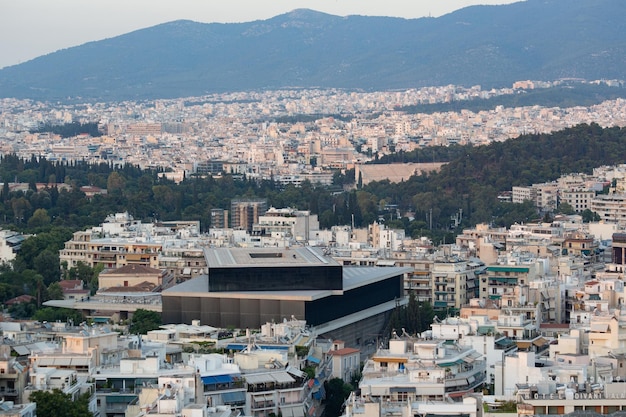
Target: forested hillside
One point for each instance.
(470, 182)
(473, 179)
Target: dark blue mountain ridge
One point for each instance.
(486, 45)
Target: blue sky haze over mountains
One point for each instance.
(486, 45)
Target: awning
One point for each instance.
(402, 389)
(100, 319)
(505, 341)
(259, 379)
(295, 372)
(451, 383)
(486, 329)
(297, 411)
(217, 379)
(539, 342)
(447, 364)
(120, 399)
(504, 280)
(471, 357)
(390, 359)
(313, 359)
(237, 397)
(283, 377)
(21, 350)
(52, 361)
(523, 344)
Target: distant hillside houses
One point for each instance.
(603, 192)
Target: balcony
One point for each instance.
(8, 392)
(469, 382)
(105, 256)
(262, 405)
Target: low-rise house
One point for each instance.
(73, 289)
(346, 361)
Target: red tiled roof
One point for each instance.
(25, 298)
(71, 284)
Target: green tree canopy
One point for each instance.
(57, 404)
(414, 318)
(144, 321)
(39, 218)
(337, 391)
(52, 314)
(55, 292)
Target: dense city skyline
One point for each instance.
(68, 23)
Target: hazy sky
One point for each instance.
(30, 28)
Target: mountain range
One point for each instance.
(491, 46)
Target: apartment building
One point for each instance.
(578, 198)
(299, 225)
(454, 283)
(244, 213)
(610, 207)
(120, 241)
(521, 194)
(219, 218)
(581, 244)
(506, 285)
(418, 369)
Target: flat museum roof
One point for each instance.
(267, 257)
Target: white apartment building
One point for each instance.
(611, 208)
(297, 224)
(578, 198)
(521, 194)
(10, 242)
(426, 370)
(547, 196)
(543, 195)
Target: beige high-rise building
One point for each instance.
(245, 212)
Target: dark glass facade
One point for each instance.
(229, 312)
(361, 298)
(276, 278)
(254, 312)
